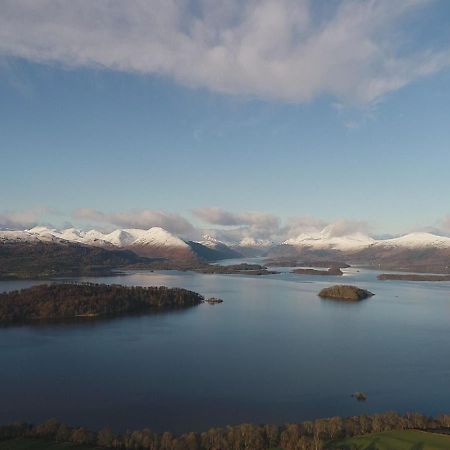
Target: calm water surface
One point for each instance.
(273, 352)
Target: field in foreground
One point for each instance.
(39, 444)
(395, 440)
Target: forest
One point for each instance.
(310, 435)
(69, 300)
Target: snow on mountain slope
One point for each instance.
(119, 238)
(16, 236)
(416, 240)
(217, 249)
(37, 234)
(156, 236)
(210, 241)
(324, 240)
(255, 243)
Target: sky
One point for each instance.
(264, 118)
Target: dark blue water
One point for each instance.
(273, 352)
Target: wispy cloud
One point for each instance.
(143, 218)
(290, 50)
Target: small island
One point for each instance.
(214, 301)
(236, 269)
(84, 300)
(412, 277)
(205, 268)
(333, 271)
(345, 292)
(360, 396)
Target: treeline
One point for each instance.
(68, 300)
(412, 277)
(45, 259)
(311, 435)
(331, 271)
(238, 269)
(202, 267)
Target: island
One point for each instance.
(345, 292)
(412, 277)
(360, 396)
(205, 268)
(214, 301)
(82, 300)
(239, 269)
(334, 271)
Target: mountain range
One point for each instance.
(418, 251)
(412, 249)
(155, 242)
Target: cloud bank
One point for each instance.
(143, 219)
(21, 219)
(228, 226)
(289, 50)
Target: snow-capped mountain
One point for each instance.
(155, 242)
(359, 241)
(325, 240)
(416, 240)
(255, 243)
(414, 251)
(218, 246)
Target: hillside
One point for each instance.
(43, 259)
(394, 440)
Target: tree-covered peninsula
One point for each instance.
(70, 300)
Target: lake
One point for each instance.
(273, 352)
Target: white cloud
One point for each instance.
(21, 219)
(143, 218)
(298, 225)
(344, 227)
(290, 50)
(445, 224)
(219, 216)
(265, 226)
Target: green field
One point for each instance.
(395, 440)
(39, 444)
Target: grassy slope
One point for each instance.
(395, 440)
(38, 444)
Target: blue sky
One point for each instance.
(83, 132)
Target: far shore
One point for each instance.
(412, 277)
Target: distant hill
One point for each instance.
(423, 252)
